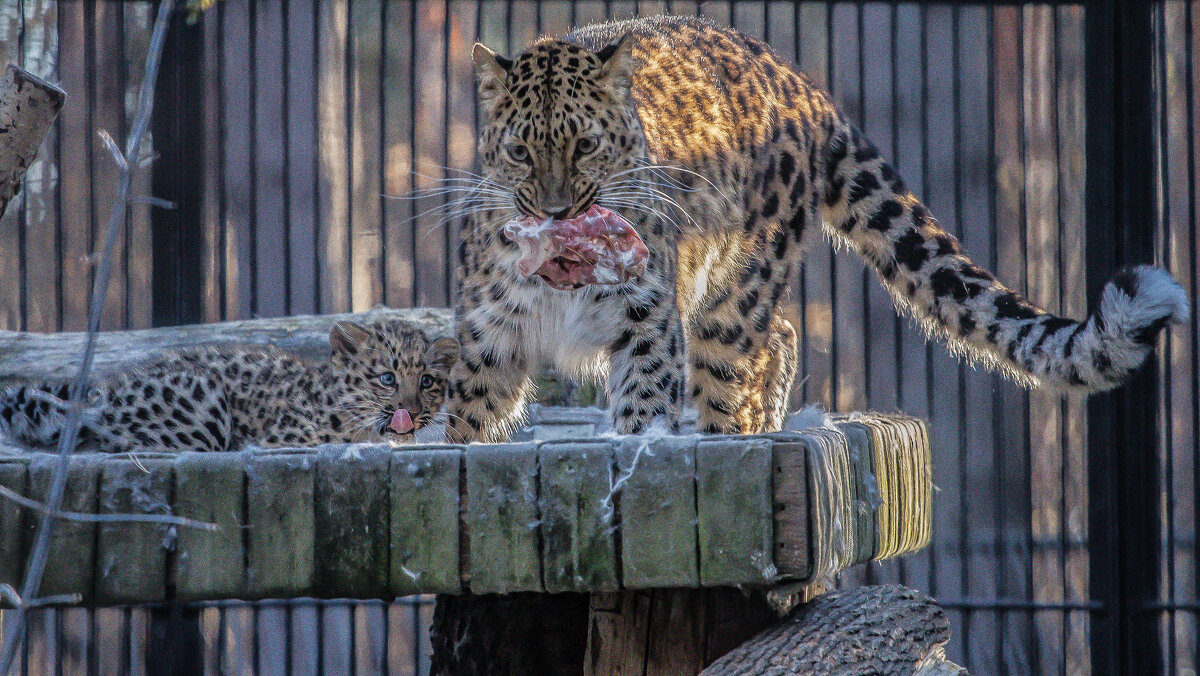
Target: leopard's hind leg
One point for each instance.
(773, 370)
(742, 354)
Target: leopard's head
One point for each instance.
(391, 378)
(559, 127)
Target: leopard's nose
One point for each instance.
(557, 210)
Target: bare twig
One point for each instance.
(7, 593)
(37, 560)
(106, 518)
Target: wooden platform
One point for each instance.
(542, 515)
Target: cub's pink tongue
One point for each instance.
(401, 421)
(595, 247)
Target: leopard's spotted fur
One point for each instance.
(221, 399)
(761, 158)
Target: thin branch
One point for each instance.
(7, 593)
(37, 560)
(106, 518)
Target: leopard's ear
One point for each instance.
(444, 352)
(346, 337)
(617, 68)
(491, 72)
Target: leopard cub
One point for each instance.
(382, 382)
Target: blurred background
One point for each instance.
(1057, 140)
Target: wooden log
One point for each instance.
(657, 513)
(56, 355)
(14, 476)
(209, 488)
(281, 532)
(425, 499)
(131, 558)
(866, 630)
(734, 510)
(578, 548)
(28, 106)
(502, 519)
(351, 507)
(72, 549)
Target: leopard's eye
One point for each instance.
(94, 395)
(426, 381)
(387, 379)
(586, 146)
(518, 152)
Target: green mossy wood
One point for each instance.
(425, 500)
(578, 516)
(502, 513)
(601, 514)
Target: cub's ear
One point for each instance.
(444, 352)
(617, 68)
(346, 337)
(491, 71)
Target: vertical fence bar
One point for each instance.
(177, 242)
(1124, 510)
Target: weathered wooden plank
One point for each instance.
(734, 508)
(350, 503)
(502, 518)
(131, 559)
(866, 498)
(424, 487)
(71, 551)
(790, 514)
(578, 547)
(279, 512)
(209, 488)
(657, 512)
(14, 475)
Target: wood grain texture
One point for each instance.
(280, 542)
(350, 501)
(14, 475)
(502, 518)
(658, 513)
(72, 550)
(578, 547)
(866, 630)
(734, 510)
(131, 558)
(209, 488)
(54, 355)
(424, 494)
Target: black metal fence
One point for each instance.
(1056, 139)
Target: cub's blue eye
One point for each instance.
(426, 381)
(388, 379)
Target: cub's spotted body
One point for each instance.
(725, 159)
(221, 399)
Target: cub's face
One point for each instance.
(392, 379)
(558, 126)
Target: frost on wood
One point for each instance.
(28, 106)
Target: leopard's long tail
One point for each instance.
(866, 206)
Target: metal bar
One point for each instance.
(1123, 512)
(1018, 605)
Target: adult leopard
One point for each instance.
(758, 159)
